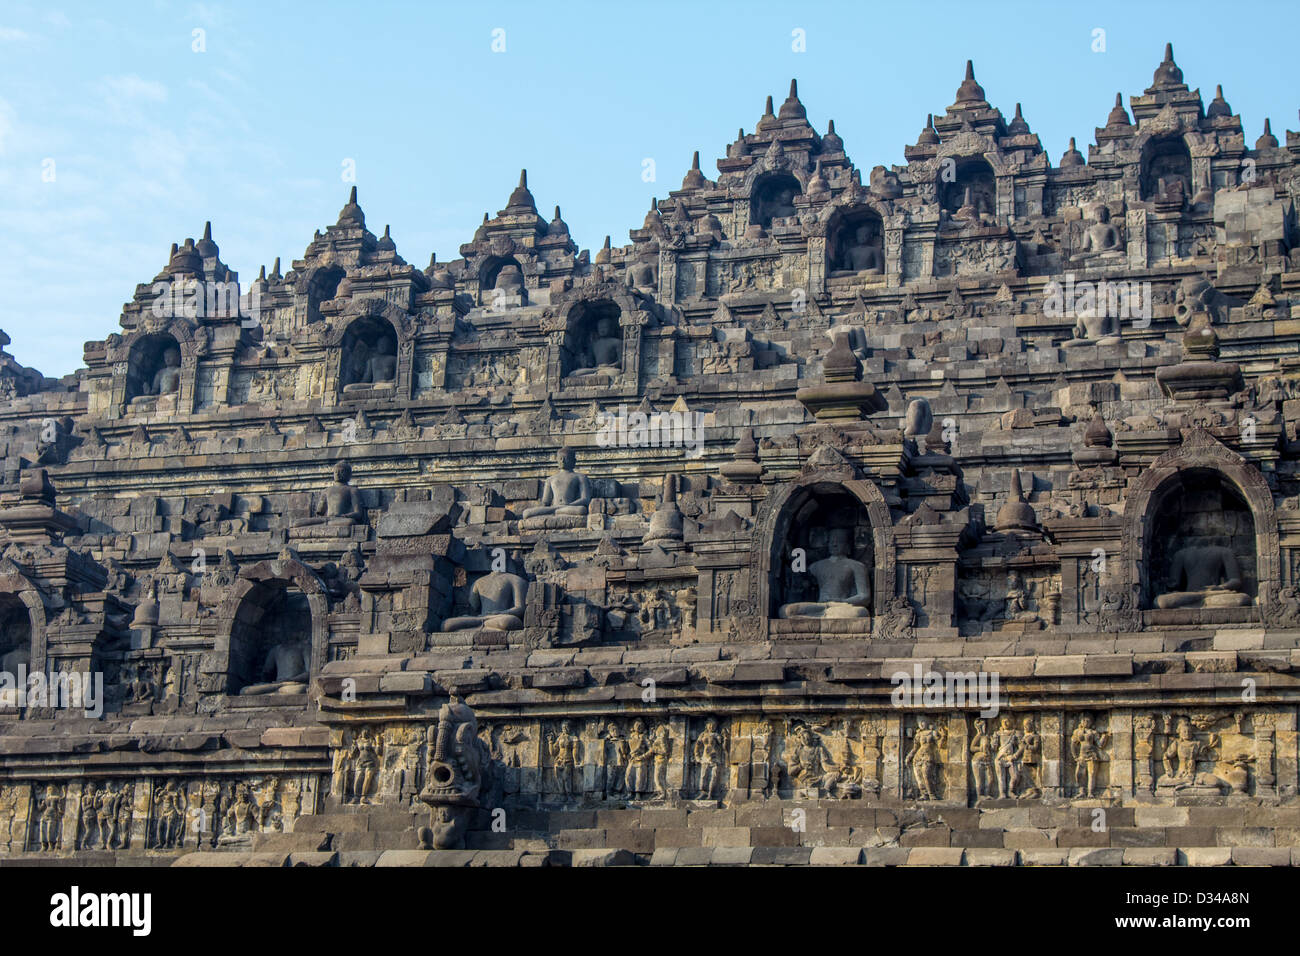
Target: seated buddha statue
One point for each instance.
(496, 601)
(341, 505)
(843, 587)
(605, 351)
(381, 365)
(1204, 575)
(566, 492)
(168, 378)
(284, 671)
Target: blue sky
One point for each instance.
(149, 138)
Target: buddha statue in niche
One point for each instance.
(380, 367)
(167, 380)
(284, 670)
(496, 601)
(566, 492)
(843, 583)
(1204, 574)
(862, 252)
(605, 351)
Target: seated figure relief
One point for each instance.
(1180, 758)
(1101, 236)
(496, 601)
(341, 504)
(862, 251)
(604, 352)
(843, 583)
(566, 494)
(284, 671)
(1205, 574)
(167, 380)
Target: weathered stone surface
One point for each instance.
(931, 515)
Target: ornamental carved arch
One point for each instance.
(779, 512)
(22, 609)
(266, 602)
(362, 341)
(1201, 457)
(137, 358)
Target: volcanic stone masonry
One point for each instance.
(544, 557)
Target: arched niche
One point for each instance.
(16, 645)
(802, 514)
(1176, 497)
(154, 366)
(1167, 159)
(491, 272)
(975, 174)
(593, 340)
(856, 242)
(1201, 538)
(773, 197)
(275, 608)
(322, 286)
(369, 358)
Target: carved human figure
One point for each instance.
(1007, 759)
(1101, 235)
(284, 670)
(1017, 606)
(1093, 324)
(365, 773)
(982, 751)
(566, 756)
(380, 366)
(1204, 575)
(1031, 759)
(661, 751)
(924, 757)
(341, 504)
(710, 755)
(106, 805)
(863, 254)
(640, 762)
(87, 818)
(616, 759)
(241, 816)
(777, 203)
(171, 814)
(1086, 745)
(605, 350)
(8, 813)
(566, 492)
(50, 814)
(168, 378)
(809, 763)
(843, 587)
(1180, 758)
(496, 601)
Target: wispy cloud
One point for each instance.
(14, 35)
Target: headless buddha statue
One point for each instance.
(284, 671)
(496, 601)
(843, 589)
(1204, 575)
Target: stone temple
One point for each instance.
(908, 515)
